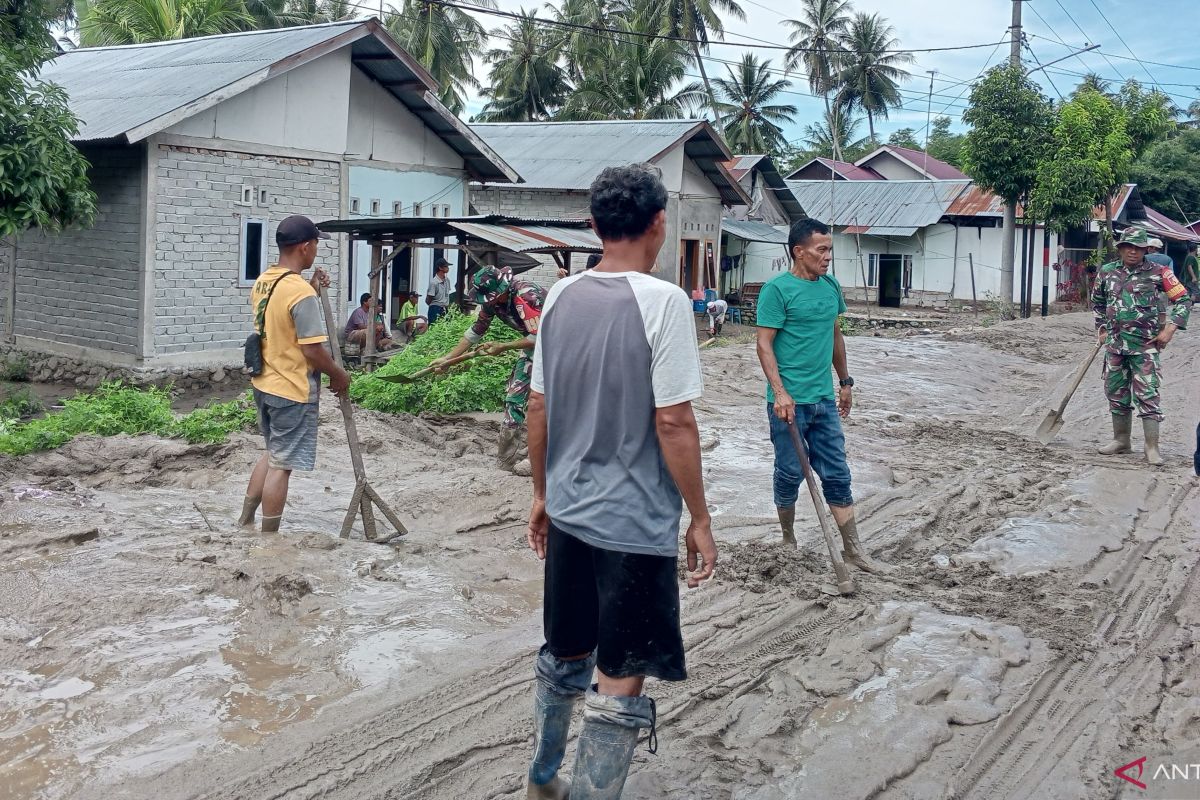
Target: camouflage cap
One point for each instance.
(1134, 237)
(491, 282)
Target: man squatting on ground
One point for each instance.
(1125, 301)
(613, 444)
(288, 315)
(798, 338)
(519, 304)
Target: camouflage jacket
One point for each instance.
(1125, 302)
(521, 312)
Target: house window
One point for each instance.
(397, 209)
(873, 269)
(416, 209)
(355, 205)
(264, 197)
(253, 252)
(445, 211)
(374, 208)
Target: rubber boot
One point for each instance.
(855, 555)
(506, 455)
(1122, 427)
(559, 684)
(249, 509)
(606, 743)
(271, 524)
(1150, 430)
(787, 523)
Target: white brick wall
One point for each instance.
(80, 286)
(198, 304)
(514, 201)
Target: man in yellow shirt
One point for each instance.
(288, 315)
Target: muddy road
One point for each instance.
(1041, 632)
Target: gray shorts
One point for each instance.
(290, 429)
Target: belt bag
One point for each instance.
(252, 350)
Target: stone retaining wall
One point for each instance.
(45, 368)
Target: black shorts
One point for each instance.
(625, 606)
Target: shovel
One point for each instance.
(845, 584)
(1054, 417)
(421, 373)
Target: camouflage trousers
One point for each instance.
(1130, 377)
(516, 392)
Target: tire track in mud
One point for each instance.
(1071, 694)
(432, 747)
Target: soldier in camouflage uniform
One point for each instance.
(518, 303)
(1128, 323)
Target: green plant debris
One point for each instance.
(116, 408)
(19, 403)
(476, 385)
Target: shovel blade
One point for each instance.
(1050, 427)
(397, 378)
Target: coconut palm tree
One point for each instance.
(444, 39)
(837, 126)
(1093, 82)
(818, 46)
(526, 81)
(642, 80)
(752, 124)
(307, 12)
(871, 72)
(698, 21)
(579, 46)
(109, 22)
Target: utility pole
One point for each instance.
(929, 118)
(1008, 249)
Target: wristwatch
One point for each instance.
(846, 382)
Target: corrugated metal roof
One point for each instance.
(133, 91)
(1168, 228)
(843, 169)
(753, 231)
(976, 202)
(569, 155)
(533, 238)
(882, 205)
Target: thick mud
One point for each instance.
(1040, 632)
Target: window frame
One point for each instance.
(243, 242)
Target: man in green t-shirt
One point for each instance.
(1191, 272)
(798, 339)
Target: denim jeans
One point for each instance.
(821, 428)
(1196, 455)
(435, 313)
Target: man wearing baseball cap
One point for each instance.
(288, 317)
(1157, 256)
(1125, 301)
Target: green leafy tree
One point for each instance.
(871, 71)
(1169, 173)
(301, 12)
(111, 22)
(526, 81)
(445, 40)
(943, 144)
(752, 122)
(905, 137)
(699, 21)
(818, 46)
(43, 177)
(641, 79)
(1010, 123)
(1150, 116)
(1093, 82)
(1089, 152)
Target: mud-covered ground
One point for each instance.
(1041, 632)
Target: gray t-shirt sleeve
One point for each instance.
(671, 331)
(309, 320)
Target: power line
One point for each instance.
(1087, 38)
(760, 44)
(1121, 39)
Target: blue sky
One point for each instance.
(1154, 32)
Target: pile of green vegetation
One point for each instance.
(18, 404)
(118, 408)
(476, 385)
(15, 368)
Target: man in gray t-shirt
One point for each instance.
(615, 452)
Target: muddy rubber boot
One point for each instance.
(249, 509)
(271, 524)
(559, 684)
(1122, 427)
(856, 556)
(606, 743)
(1150, 430)
(787, 523)
(506, 454)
